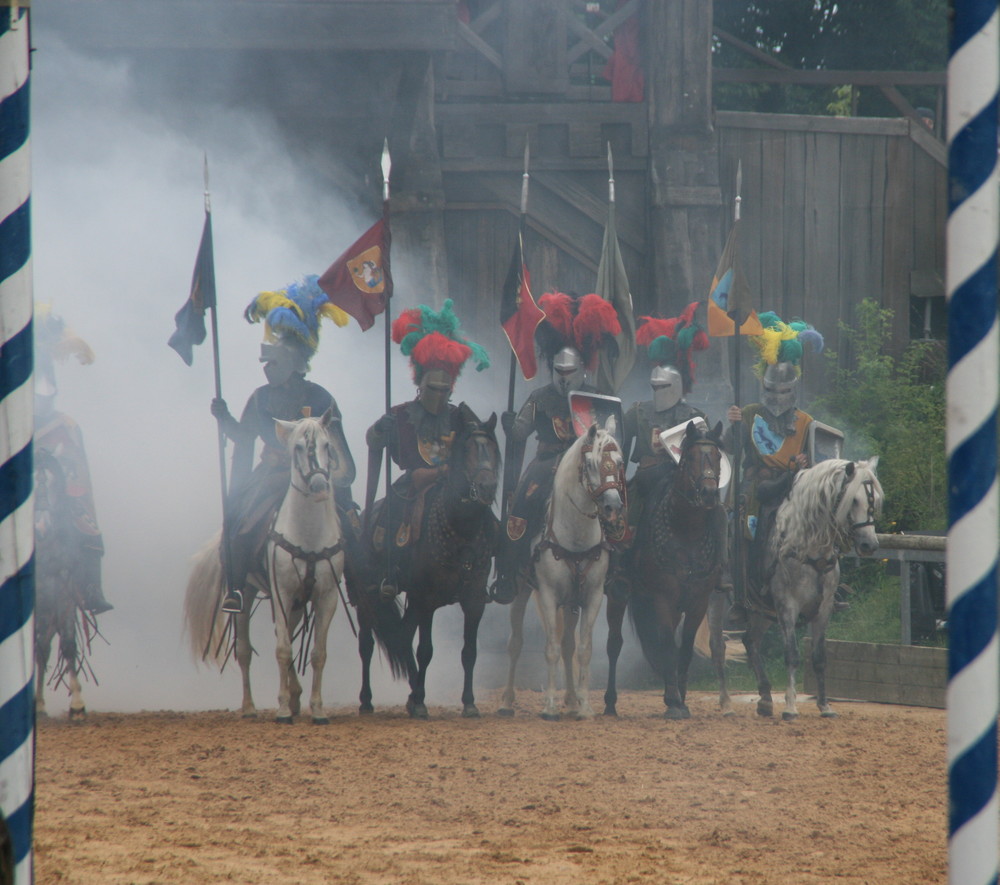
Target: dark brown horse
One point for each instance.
(676, 564)
(450, 561)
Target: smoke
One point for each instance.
(118, 205)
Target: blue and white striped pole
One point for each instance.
(973, 79)
(17, 565)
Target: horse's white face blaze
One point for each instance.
(603, 467)
(313, 459)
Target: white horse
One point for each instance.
(830, 509)
(570, 557)
(305, 565)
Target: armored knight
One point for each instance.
(570, 338)
(291, 322)
(418, 434)
(60, 435)
(774, 434)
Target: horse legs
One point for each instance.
(571, 700)
(549, 614)
(43, 649)
(366, 648)
(787, 621)
(324, 608)
(585, 651)
(244, 654)
(283, 629)
(615, 615)
(717, 608)
(818, 631)
(69, 654)
(415, 705)
(473, 615)
(514, 645)
(751, 642)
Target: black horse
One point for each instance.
(59, 598)
(676, 564)
(449, 562)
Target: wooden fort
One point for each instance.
(835, 209)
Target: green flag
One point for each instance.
(612, 285)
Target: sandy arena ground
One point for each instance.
(208, 797)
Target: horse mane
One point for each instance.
(807, 519)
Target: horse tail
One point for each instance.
(204, 621)
(642, 614)
(392, 635)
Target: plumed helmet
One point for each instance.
(780, 348)
(54, 341)
(583, 324)
(670, 342)
(434, 340)
(291, 319)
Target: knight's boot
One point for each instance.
(617, 586)
(504, 590)
(95, 602)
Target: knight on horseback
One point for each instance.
(569, 338)
(291, 317)
(58, 434)
(669, 344)
(774, 443)
(418, 434)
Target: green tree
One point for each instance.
(894, 409)
(899, 35)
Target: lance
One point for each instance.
(509, 445)
(375, 459)
(224, 550)
(739, 316)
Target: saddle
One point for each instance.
(412, 496)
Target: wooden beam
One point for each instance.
(794, 76)
(590, 42)
(809, 123)
(604, 29)
(480, 45)
(595, 208)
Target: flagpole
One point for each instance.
(736, 315)
(220, 431)
(387, 340)
(520, 232)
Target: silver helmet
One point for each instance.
(568, 371)
(435, 390)
(668, 387)
(281, 361)
(780, 383)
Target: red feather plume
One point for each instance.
(437, 351)
(558, 308)
(408, 321)
(595, 318)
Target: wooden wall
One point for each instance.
(835, 211)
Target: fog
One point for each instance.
(117, 215)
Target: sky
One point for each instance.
(117, 213)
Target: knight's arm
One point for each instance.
(517, 431)
(336, 431)
(377, 438)
(630, 430)
(775, 489)
(244, 437)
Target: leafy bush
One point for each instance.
(894, 409)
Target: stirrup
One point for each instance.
(233, 603)
(100, 607)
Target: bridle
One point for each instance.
(312, 467)
(486, 463)
(844, 502)
(611, 473)
(705, 471)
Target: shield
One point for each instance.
(824, 442)
(588, 408)
(672, 437)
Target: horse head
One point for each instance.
(700, 468)
(602, 473)
(860, 503)
(475, 458)
(319, 455)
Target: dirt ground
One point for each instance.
(209, 797)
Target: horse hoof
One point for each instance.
(764, 709)
(417, 711)
(366, 710)
(828, 714)
(505, 713)
(611, 712)
(675, 713)
(470, 711)
(788, 717)
(321, 720)
(550, 717)
(729, 714)
(80, 713)
(251, 715)
(283, 720)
